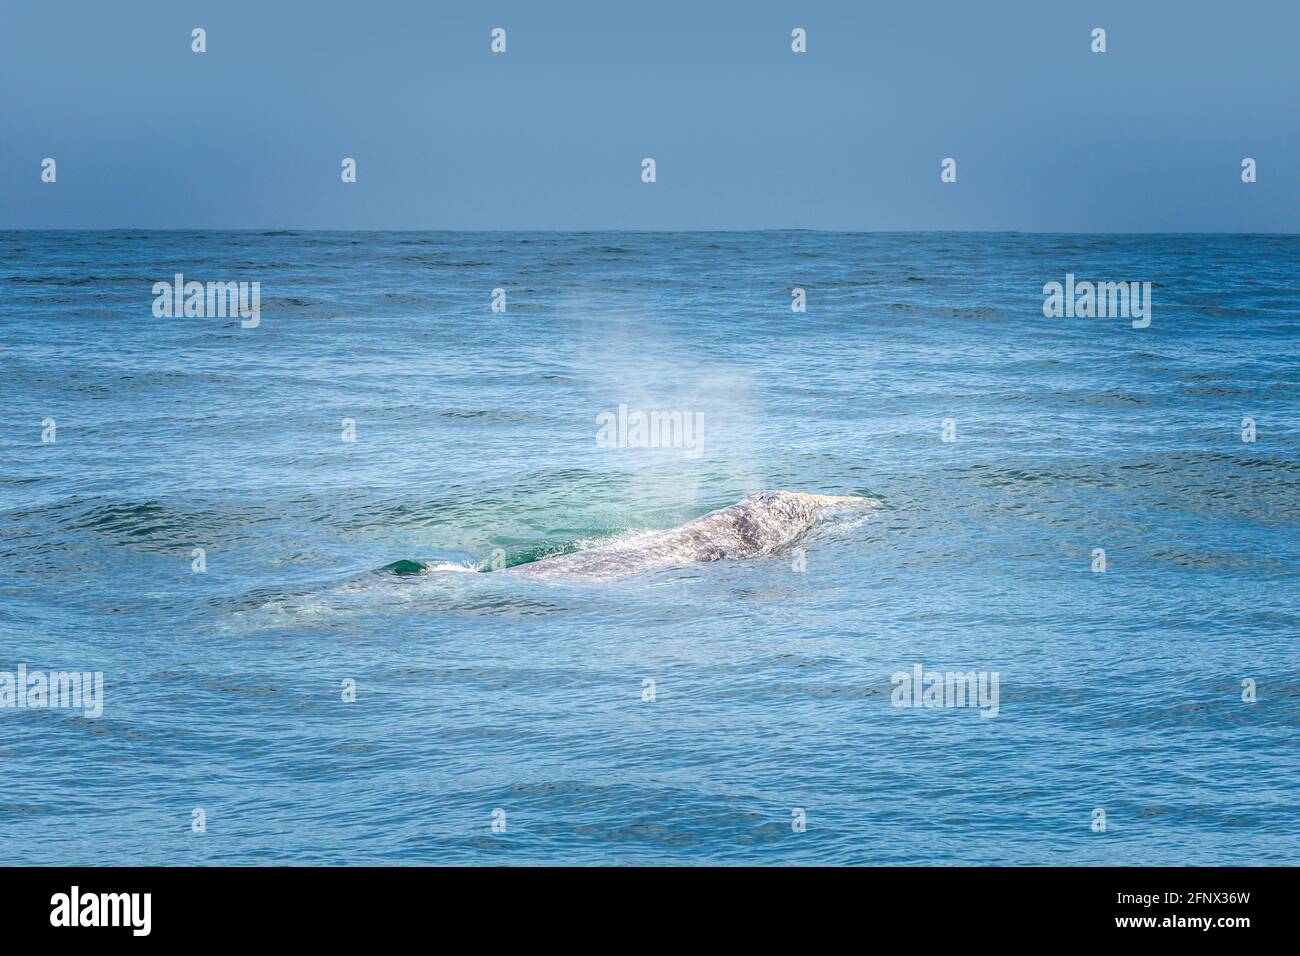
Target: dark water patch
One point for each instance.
(485, 415)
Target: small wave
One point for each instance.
(487, 414)
(457, 566)
(289, 301)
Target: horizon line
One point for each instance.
(265, 230)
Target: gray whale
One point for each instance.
(761, 524)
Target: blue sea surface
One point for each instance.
(1119, 691)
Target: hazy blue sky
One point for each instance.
(1047, 135)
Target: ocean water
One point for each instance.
(475, 431)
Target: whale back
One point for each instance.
(762, 523)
